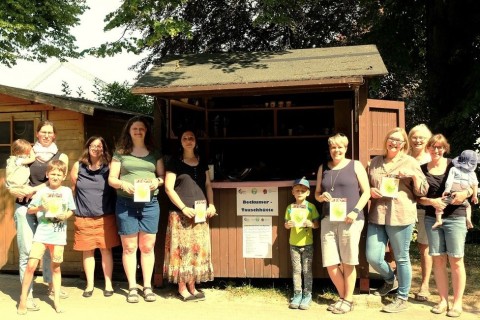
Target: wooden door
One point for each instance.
(376, 119)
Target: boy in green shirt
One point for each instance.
(300, 218)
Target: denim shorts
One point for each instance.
(133, 217)
(449, 238)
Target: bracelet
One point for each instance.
(183, 208)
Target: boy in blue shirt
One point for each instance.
(52, 205)
(300, 218)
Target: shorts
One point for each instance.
(96, 232)
(340, 242)
(449, 238)
(38, 249)
(421, 232)
(133, 217)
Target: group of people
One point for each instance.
(411, 183)
(114, 201)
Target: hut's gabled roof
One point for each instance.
(246, 71)
(73, 104)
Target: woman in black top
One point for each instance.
(447, 242)
(187, 246)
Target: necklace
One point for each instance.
(332, 181)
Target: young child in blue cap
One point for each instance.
(300, 218)
(460, 177)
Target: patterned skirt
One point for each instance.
(187, 250)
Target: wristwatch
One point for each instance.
(356, 210)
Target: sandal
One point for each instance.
(422, 296)
(150, 296)
(334, 305)
(132, 296)
(345, 306)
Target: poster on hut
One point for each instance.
(257, 237)
(257, 201)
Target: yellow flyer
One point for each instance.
(299, 214)
(338, 209)
(54, 205)
(200, 211)
(142, 190)
(389, 187)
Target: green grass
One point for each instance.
(323, 290)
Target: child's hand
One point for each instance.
(308, 224)
(289, 224)
(61, 216)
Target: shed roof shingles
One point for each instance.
(258, 67)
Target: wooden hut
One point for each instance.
(75, 120)
(264, 119)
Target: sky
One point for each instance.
(48, 77)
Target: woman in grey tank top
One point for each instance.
(343, 190)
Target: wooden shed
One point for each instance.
(75, 120)
(264, 119)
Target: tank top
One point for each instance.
(94, 197)
(344, 183)
(38, 171)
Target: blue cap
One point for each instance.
(467, 160)
(303, 182)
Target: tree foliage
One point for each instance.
(118, 95)
(431, 48)
(194, 26)
(36, 30)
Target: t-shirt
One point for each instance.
(133, 167)
(190, 181)
(48, 231)
(302, 236)
(94, 197)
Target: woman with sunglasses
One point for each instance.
(396, 181)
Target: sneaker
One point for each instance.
(296, 300)
(398, 305)
(306, 300)
(32, 305)
(386, 288)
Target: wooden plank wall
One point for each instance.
(227, 251)
(70, 140)
(7, 227)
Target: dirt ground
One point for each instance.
(220, 304)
